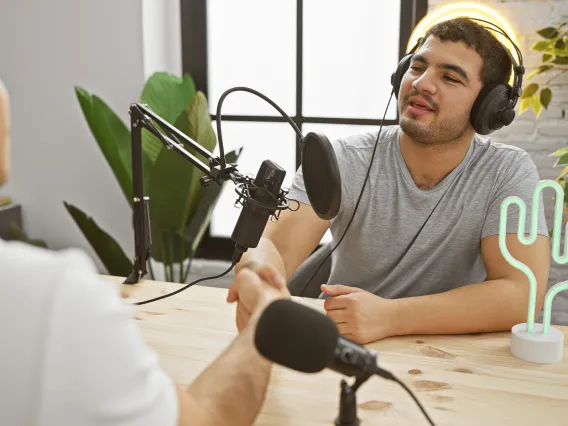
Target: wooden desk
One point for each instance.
(461, 380)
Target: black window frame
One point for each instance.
(193, 15)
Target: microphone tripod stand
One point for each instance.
(348, 401)
(217, 171)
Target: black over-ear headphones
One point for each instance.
(495, 104)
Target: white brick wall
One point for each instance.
(539, 137)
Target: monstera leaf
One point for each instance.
(182, 245)
(201, 217)
(174, 188)
(108, 250)
(112, 136)
(167, 96)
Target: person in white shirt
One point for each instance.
(72, 353)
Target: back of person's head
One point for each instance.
(497, 65)
(4, 134)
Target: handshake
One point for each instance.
(255, 286)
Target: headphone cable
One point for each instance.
(358, 201)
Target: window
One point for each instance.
(326, 63)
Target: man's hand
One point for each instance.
(253, 289)
(359, 315)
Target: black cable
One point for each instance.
(186, 286)
(358, 201)
(389, 376)
(260, 95)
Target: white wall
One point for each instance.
(47, 47)
(162, 36)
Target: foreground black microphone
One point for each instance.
(301, 338)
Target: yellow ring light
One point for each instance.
(470, 10)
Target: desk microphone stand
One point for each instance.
(348, 402)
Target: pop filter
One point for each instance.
(321, 175)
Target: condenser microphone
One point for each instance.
(302, 339)
(262, 197)
(261, 201)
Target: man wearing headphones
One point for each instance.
(421, 255)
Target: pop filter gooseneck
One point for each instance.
(322, 179)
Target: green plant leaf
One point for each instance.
(175, 188)
(201, 131)
(537, 106)
(112, 136)
(529, 90)
(563, 173)
(556, 52)
(167, 96)
(545, 97)
(525, 104)
(559, 44)
(548, 32)
(199, 221)
(541, 46)
(169, 190)
(560, 152)
(108, 250)
(541, 69)
(15, 233)
(546, 57)
(562, 161)
(560, 60)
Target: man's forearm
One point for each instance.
(265, 253)
(488, 306)
(231, 390)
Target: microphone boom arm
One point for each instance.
(218, 171)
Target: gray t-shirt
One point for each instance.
(378, 254)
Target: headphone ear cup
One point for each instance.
(490, 110)
(396, 76)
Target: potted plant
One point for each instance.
(179, 208)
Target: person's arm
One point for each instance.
(493, 305)
(98, 369)
(288, 242)
(232, 389)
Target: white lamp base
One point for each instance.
(537, 347)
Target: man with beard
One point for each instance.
(422, 255)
